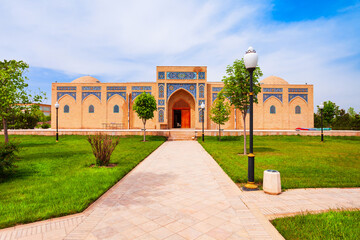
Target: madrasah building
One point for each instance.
(87, 103)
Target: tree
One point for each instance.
(329, 112)
(145, 105)
(220, 111)
(237, 88)
(351, 112)
(14, 95)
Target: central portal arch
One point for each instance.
(181, 110)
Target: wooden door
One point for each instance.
(185, 118)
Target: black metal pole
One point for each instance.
(322, 133)
(57, 125)
(203, 111)
(251, 157)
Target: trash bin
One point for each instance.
(272, 182)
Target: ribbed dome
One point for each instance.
(86, 79)
(273, 80)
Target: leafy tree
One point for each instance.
(351, 112)
(237, 88)
(145, 105)
(329, 112)
(14, 95)
(220, 112)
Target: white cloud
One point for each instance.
(126, 40)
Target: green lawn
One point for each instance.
(330, 225)
(54, 179)
(303, 161)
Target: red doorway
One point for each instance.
(181, 117)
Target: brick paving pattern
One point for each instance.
(179, 192)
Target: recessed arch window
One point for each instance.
(66, 109)
(91, 109)
(297, 110)
(116, 109)
(272, 109)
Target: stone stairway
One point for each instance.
(182, 135)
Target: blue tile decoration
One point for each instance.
(298, 90)
(201, 114)
(214, 96)
(91, 88)
(303, 96)
(172, 87)
(161, 112)
(161, 75)
(217, 89)
(181, 75)
(135, 94)
(266, 96)
(201, 90)
(272, 90)
(66, 88)
(201, 101)
(116, 88)
(161, 102)
(201, 75)
(161, 90)
(110, 94)
(61, 94)
(141, 88)
(86, 94)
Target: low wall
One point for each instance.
(166, 132)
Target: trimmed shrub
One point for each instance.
(102, 147)
(45, 125)
(8, 156)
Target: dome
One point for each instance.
(86, 79)
(273, 80)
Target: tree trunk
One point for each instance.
(6, 135)
(219, 133)
(144, 121)
(244, 119)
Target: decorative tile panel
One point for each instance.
(181, 75)
(298, 90)
(161, 90)
(201, 90)
(91, 88)
(135, 94)
(201, 101)
(214, 96)
(116, 88)
(201, 114)
(172, 87)
(272, 89)
(161, 75)
(66, 88)
(266, 96)
(201, 75)
(86, 94)
(161, 102)
(110, 94)
(217, 89)
(303, 96)
(161, 112)
(141, 88)
(61, 94)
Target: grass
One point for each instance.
(303, 161)
(55, 179)
(329, 225)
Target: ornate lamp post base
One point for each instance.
(250, 186)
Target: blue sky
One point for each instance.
(314, 42)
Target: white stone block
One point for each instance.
(272, 182)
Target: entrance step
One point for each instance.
(181, 135)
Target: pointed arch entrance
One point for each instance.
(181, 110)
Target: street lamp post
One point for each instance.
(203, 114)
(57, 121)
(250, 61)
(321, 106)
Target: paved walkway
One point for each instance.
(179, 192)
